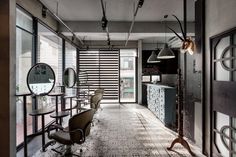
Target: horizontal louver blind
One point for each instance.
(102, 68)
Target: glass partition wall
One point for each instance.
(50, 52)
(24, 47)
(31, 34)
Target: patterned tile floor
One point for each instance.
(126, 131)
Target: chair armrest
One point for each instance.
(77, 130)
(54, 126)
(92, 105)
(86, 126)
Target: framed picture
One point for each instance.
(146, 78)
(156, 78)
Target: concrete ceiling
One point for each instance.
(118, 10)
(146, 37)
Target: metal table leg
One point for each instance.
(43, 134)
(25, 126)
(71, 107)
(56, 108)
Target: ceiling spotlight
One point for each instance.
(140, 3)
(108, 42)
(104, 23)
(44, 12)
(87, 47)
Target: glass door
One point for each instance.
(24, 48)
(128, 75)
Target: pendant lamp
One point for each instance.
(166, 52)
(153, 58)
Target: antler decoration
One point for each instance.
(187, 42)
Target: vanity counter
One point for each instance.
(161, 100)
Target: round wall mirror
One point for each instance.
(69, 77)
(41, 79)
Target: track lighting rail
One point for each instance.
(139, 5)
(74, 36)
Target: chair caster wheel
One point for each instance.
(81, 150)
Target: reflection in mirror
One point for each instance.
(69, 77)
(41, 79)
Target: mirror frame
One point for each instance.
(27, 79)
(75, 80)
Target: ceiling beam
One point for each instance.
(123, 27)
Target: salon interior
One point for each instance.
(112, 78)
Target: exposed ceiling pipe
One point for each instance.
(104, 23)
(139, 5)
(62, 22)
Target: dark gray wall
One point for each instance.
(8, 69)
(193, 93)
(139, 72)
(7, 81)
(220, 16)
(191, 66)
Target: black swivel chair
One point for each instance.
(76, 132)
(95, 103)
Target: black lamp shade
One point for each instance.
(166, 53)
